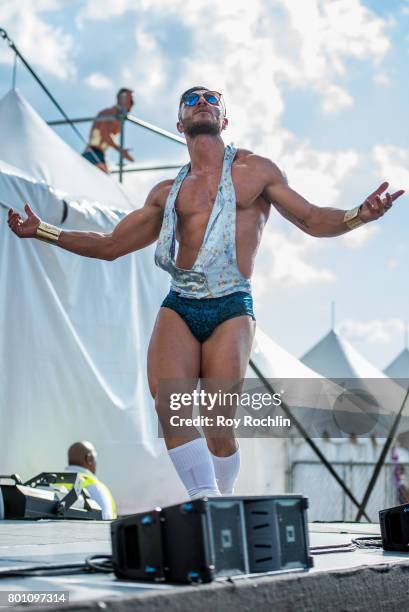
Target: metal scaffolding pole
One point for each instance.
(82, 120)
(381, 460)
(309, 440)
(122, 117)
(148, 168)
(153, 128)
(128, 117)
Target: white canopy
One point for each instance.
(399, 367)
(335, 357)
(75, 333)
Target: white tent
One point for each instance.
(335, 357)
(398, 370)
(399, 367)
(270, 455)
(75, 332)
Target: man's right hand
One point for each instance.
(23, 229)
(128, 156)
(137, 230)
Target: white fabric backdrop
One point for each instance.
(75, 333)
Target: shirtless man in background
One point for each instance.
(215, 209)
(102, 132)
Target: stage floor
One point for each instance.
(28, 543)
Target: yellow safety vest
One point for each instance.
(88, 480)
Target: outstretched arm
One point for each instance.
(316, 220)
(136, 231)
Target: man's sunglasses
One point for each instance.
(191, 99)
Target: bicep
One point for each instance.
(138, 229)
(290, 204)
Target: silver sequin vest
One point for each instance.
(215, 272)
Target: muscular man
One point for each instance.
(102, 132)
(215, 209)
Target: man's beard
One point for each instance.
(211, 128)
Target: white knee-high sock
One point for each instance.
(195, 468)
(226, 470)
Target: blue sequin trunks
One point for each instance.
(94, 155)
(203, 315)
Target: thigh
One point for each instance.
(173, 350)
(224, 361)
(226, 353)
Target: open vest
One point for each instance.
(215, 272)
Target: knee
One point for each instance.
(222, 447)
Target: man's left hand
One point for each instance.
(375, 206)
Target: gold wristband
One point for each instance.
(47, 232)
(352, 218)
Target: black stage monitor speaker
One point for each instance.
(394, 524)
(209, 538)
(44, 496)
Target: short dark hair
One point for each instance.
(123, 90)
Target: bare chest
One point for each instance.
(198, 194)
(194, 206)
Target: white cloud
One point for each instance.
(383, 79)
(284, 262)
(43, 45)
(393, 163)
(330, 32)
(405, 8)
(241, 46)
(102, 11)
(375, 331)
(147, 76)
(318, 175)
(96, 80)
(335, 98)
(360, 236)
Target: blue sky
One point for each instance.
(318, 86)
